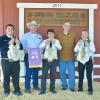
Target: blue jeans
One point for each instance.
(71, 73)
(30, 72)
(46, 66)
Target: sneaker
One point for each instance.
(6, 94)
(36, 88)
(64, 88)
(27, 90)
(80, 90)
(72, 90)
(90, 92)
(18, 93)
(53, 91)
(42, 92)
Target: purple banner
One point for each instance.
(35, 58)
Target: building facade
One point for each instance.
(9, 13)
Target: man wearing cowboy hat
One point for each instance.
(31, 39)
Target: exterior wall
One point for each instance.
(9, 14)
(1, 16)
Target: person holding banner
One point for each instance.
(85, 49)
(29, 40)
(50, 46)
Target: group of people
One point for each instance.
(57, 50)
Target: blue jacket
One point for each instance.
(4, 45)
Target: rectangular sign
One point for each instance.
(35, 58)
(51, 17)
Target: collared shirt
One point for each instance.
(55, 46)
(30, 40)
(9, 36)
(91, 48)
(68, 43)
